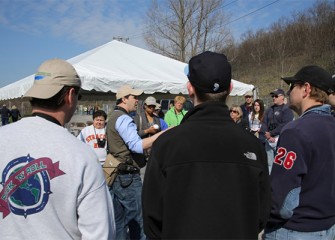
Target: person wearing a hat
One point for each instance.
(15, 113)
(5, 115)
(160, 114)
(303, 173)
(247, 105)
(147, 122)
(52, 184)
(124, 143)
(275, 118)
(208, 177)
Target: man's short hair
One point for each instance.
(54, 102)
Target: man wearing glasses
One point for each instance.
(303, 176)
(275, 118)
(124, 143)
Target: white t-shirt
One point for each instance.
(52, 185)
(89, 135)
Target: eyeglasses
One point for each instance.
(151, 106)
(233, 111)
(276, 96)
(248, 96)
(293, 85)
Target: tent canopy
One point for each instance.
(108, 67)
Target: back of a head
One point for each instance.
(210, 75)
(51, 77)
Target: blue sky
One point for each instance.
(32, 31)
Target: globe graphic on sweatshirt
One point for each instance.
(30, 189)
(29, 195)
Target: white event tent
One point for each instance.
(108, 67)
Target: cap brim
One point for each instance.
(290, 80)
(42, 91)
(136, 92)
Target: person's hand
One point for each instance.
(271, 139)
(151, 130)
(267, 135)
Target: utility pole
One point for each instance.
(121, 39)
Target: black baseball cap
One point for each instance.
(314, 75)
(210, 72)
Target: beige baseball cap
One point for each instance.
(150, 101)
(51, 77)
(127, 90)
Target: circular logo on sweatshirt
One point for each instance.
(26, 185)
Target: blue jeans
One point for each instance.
(270, 152)
(5, 121)
(126, 193)
(285, 234)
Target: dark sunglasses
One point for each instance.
(293, 85)
(233, 111)
(248, 96)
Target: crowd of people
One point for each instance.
(216, 171)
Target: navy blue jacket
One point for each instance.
(275, 118)
(303, 174)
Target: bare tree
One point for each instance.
(181, 29)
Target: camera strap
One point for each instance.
(96, 136)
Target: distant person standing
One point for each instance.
(207, 178)
(237, 115)
(275, 118)
(247, 105)
(95, 135)
(303, 173)
(15, 113)
(147, 122)
(5, 114)
(176, 113)
(256, 117)
(52, 184)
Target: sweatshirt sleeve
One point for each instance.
(152, 203)
(287, 173)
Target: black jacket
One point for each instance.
(206, 178)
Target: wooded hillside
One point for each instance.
(306, 38)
